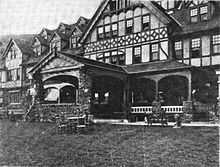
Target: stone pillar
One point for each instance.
(156, 106)
(187, 111)
(157, 91)
(85, 94)
(218, 108)
(189, 88)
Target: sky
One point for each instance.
(30, 16)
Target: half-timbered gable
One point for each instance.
(59, 41)
(46, 34)
(138, 32)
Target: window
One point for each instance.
(113, 57)
(14, 97)
(204, 13)
(137, 55)
(114, 30)
(194, 15)
(129, 26)
(37, 50)
(74, 42)
(216, 43)
(195, 45)
(112, 5)
(145, 22)
(107, 31)
(18, 74)
(154, 52)
(178, 50)
(9, 75)
(1, 99)
(0, 76)
(56, 45)
(100, 32)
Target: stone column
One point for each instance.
(218, 108)
(85, 94)
(189, 88)
(157, 91)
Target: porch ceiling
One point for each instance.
(159, 66)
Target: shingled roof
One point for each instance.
(182, 16)
(158, 66)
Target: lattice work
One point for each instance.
(129, 40)
(114, 43)
(154, 34)
(137, 38)
(121, 41)
(163, 32)
(145, 36)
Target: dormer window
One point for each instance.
(204, 13)
(37, 50)
(199, 14)
(56, 45)
(194, 15)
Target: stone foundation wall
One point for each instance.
(48, 112)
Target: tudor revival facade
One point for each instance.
(133, 53)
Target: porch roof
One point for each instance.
(79, 59)
(158, 66)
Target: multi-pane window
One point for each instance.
(129, 26)
(137, 55)
(194, 15)
(145, 22)
(216, 43)
(9, 75)
(114, 57)
(154, 52)
(37, 50)
(204, 13)
(74, 42)
(56, 45)
(15, 97)
(112, 5)
(178, 50)
(195, 45)
(114, 30)
(0, 76)
(100, 32)
(1, 99)
(107, 31)
(18, 71)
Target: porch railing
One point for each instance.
(148, 109)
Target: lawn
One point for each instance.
(29, 144)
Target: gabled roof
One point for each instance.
(23, 44)
(80, 59)
(50, 32)
(156, 9)
(182, 16)
(158, 66)
(40, 39)
(61, 35)
(77, 25)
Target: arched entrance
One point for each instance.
(107, 97)
(61, 89)
(173, 90)
(143, 92)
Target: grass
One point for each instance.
(29, 144)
